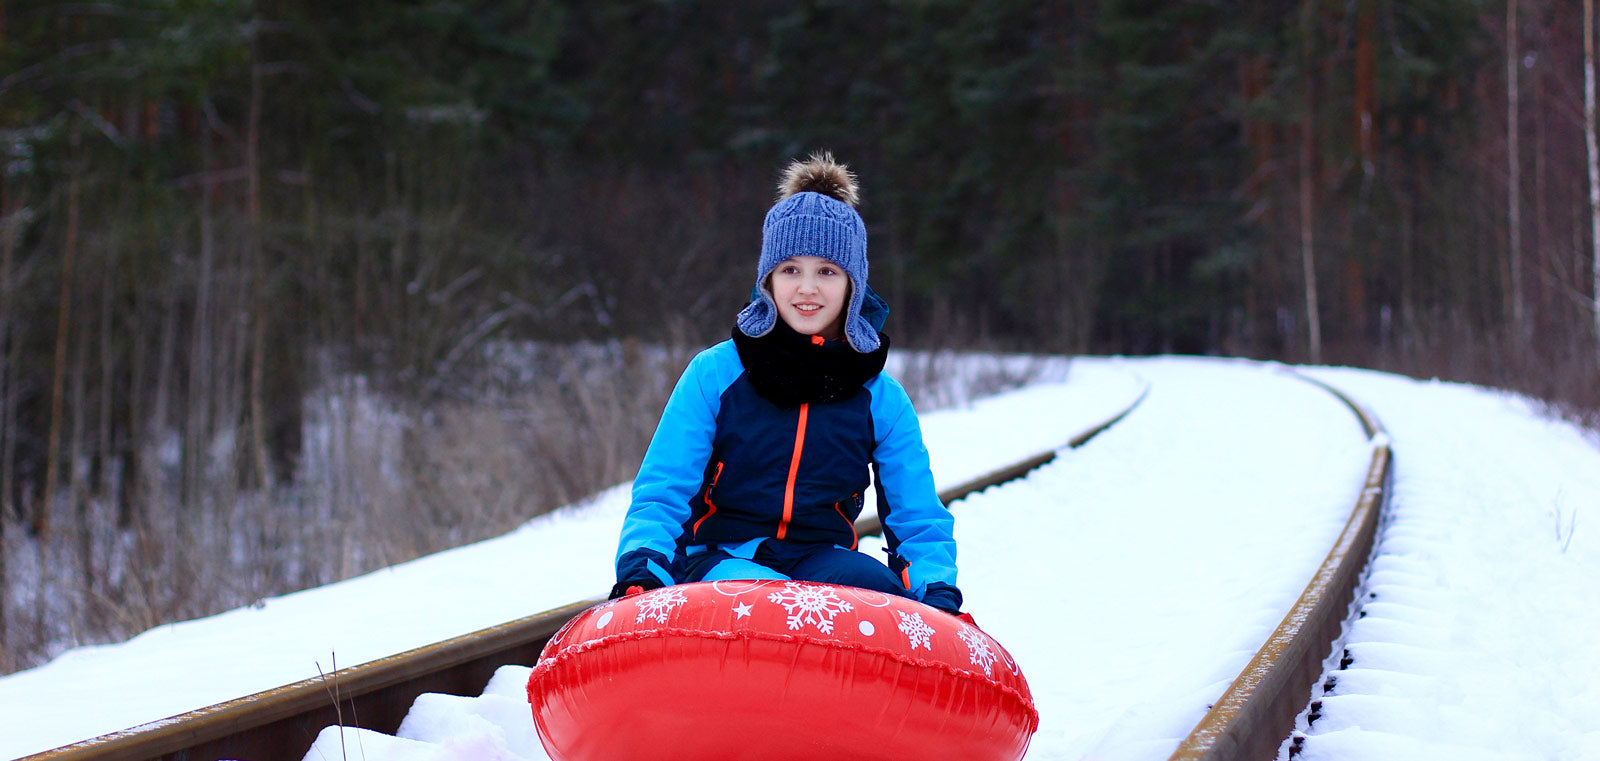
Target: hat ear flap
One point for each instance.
(760, 315)
(863, 337)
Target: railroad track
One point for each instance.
(282, 723)
(1249, 721)
(1256, 714)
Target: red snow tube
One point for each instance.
(778, 671)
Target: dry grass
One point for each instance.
(380, 482)
(1559, 369)
(939, 379)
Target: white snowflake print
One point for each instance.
(810, 605)
(978, 647)
(916, 630)
(660, 605)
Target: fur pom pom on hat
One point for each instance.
(815, 216)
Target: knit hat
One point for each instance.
(815, 216)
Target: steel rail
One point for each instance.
(1257, 712)
(869, 525)
(282, 722)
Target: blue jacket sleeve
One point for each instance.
(908, 502)
(673, 466)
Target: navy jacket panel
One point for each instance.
(755, 487)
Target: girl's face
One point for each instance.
(811, 293)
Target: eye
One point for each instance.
(788, 269)
(827, 271)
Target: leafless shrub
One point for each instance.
(940, 379)
(1558, 369)
(380, 482)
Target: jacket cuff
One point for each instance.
(645, 564)
(943, 596)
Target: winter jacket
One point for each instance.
(729, 468)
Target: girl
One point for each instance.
(758, 466)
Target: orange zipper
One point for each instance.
(794, 470)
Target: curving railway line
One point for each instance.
(1250, 720)
(1256, 714)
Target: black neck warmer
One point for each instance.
(787, 369)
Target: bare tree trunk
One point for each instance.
(202, 355)
(1366, 86)
(128, 447)
(1308, 259)
(258, 321)
(1594, 159)
(154, 427)
(69, 252)
(77, 449)
(9, 222)
(8, 429)
(1541, 164)
(1363, 222)
(104, 473)
(1407, 269)
(1513, 293)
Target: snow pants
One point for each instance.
(775, 559)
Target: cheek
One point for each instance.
(771, 285)
(839, 290)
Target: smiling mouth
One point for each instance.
(807, 308)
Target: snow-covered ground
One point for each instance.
(1481, 634)
(1132, 578)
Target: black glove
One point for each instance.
(944, 597)
(633, 587)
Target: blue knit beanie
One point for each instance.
(814, 216)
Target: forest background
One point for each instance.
(293, 290)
